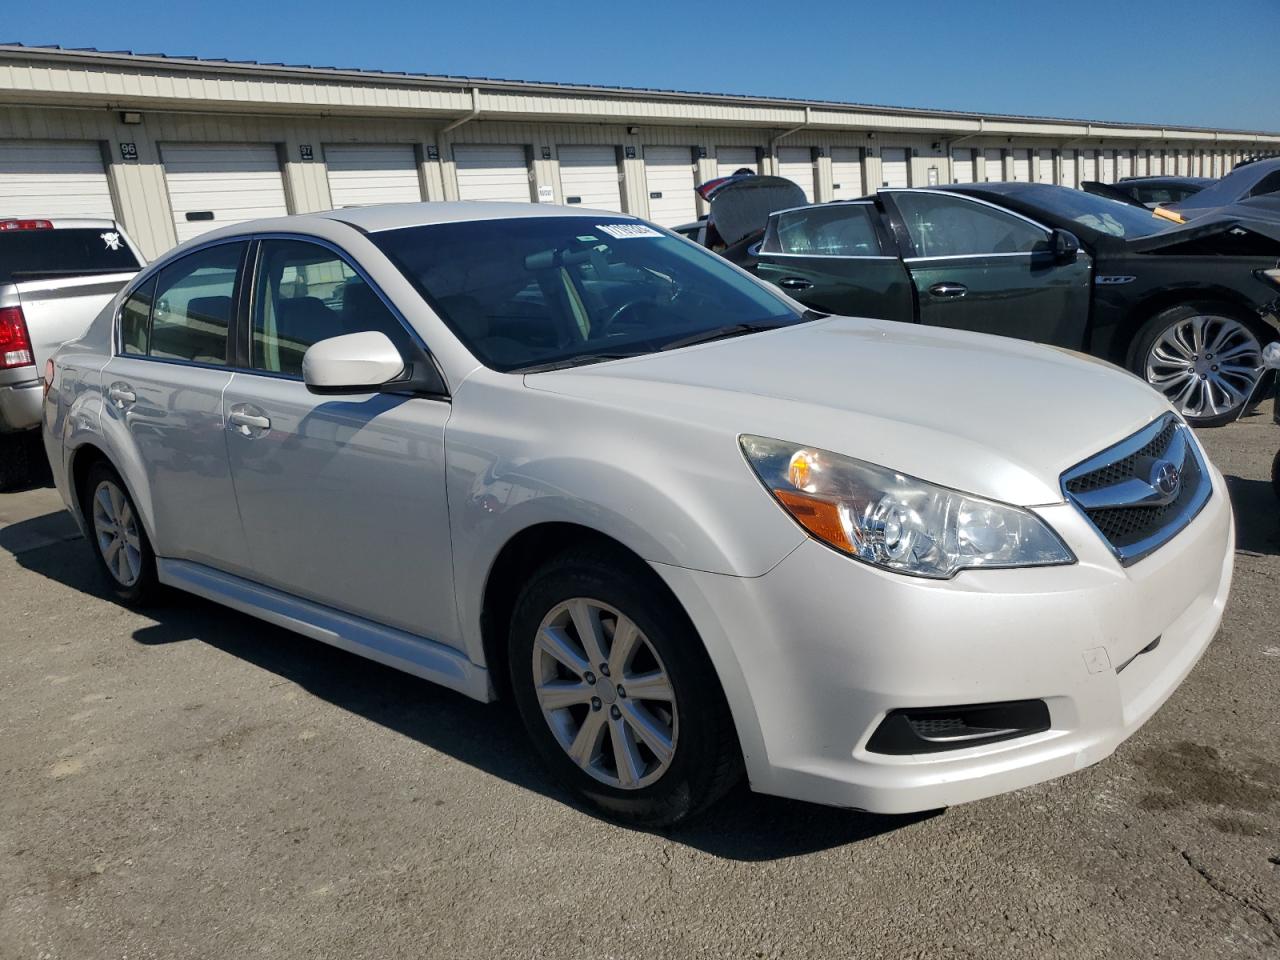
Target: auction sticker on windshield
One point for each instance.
(627, 231)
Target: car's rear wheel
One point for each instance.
(616, 691)
(118, 539)
(1203, 357)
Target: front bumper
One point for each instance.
(21, 396)
(815, 653)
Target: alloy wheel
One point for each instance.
(115, 527)
(605, 694)
(1206, 365)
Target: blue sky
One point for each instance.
(1176, 62)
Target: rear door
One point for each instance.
(979, 267)
(837, 258)
(163, 404)
(341, 497)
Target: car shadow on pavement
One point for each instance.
(744, 826)
(1257, 515)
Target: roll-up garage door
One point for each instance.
(1069, 169)
(1022, 165)
(669, 173)
(731, 159)
(1124, 164)
(361, 174)
(1045, 173)
(492, 172)
(1182, 163)
(1108, 166)
(1141, 164)
(962, 165)
(1088, 165)
(53, 179)
(214, 184)
(589, 176)
(796, 164)
(993, 164)
(894, 171)
(846, 173)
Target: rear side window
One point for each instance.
(835, 230)
(1268, 184)
(194, 299)
(63, 252)
(945, 226)
(135, 320)
(306, 293)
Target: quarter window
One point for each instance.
(834, 230)
(135, 320)
(306, 293)
(193, 304)
(946, 226)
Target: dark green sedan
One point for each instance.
(1187, 308)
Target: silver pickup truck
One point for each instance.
(55, 277)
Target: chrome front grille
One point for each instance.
(1139, 493)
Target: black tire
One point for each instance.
(144, 588)
(1275, 475)
(1151, 331)
(18, 459)
(706, 761)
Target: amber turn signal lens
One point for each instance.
(820, 517)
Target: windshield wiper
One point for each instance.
(580, 360)
(724, 333)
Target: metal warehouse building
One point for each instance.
(173, 146)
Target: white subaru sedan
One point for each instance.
(691, 527)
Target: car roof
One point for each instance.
(394, 216)
(1161, 180)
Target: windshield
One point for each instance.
(1102, 215)
(541, 292)
(65, 252)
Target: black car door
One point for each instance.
(976, 266)
(837, 258)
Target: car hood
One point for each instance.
(1227, 224)
(993, 416)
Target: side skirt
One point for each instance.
(404, 651)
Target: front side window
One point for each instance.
(193, 303)
(542, 291)
(945, 226)
(305, 293)
(832, 230)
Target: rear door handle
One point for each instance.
(121, 394)
(795, 283)
(948, 289)
(248, 420)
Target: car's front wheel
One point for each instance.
(617, 692)
(117, 537)
(1201, 356)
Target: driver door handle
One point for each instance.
(248, 420)
(948, 289)
(795, 283)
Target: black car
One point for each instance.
(1254, 179)
(1185, 307)
(1149, 192)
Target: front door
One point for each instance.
(163, 391)
(837, 258)
(977, 267)
(342, 497)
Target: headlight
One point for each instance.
(895, 521)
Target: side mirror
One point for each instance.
(353, 363)
(1065, 246)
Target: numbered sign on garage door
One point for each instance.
(53, 179)
(214, 184)
(962, 165)
(668, 173)
(492, 173)
(1045, 173)
(893, 167)
(730, 160)
(589, 177)
(365, 173)
(846, 173)
(796, 164)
